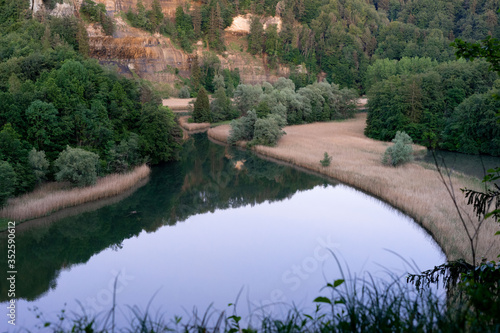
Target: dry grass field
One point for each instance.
(415, 188)
(178, 104)
(52, 197)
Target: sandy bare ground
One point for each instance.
(415, 188)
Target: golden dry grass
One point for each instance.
(178, 104)
(414, 188)
(52, 197)
(183, 122)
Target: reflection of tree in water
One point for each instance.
(204, 179)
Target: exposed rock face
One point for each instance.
(138, 53)
(154, 57)
(63, 9)
(36, 5)
(67, 8)
(241, 23)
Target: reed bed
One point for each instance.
(52, 197)
(183, 122)
(179, 104)
(414, 188)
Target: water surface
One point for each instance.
(202, 232)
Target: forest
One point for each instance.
(399, 53)
(56, 99)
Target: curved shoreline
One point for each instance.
(41, 202)
(415, 189)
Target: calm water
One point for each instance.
(201, 232)
(472, 165)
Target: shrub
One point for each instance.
(77, 166)
(184, 92)
(326, 160)
(38, 163)
(401, 152)
(242, 128)
(267, 131)
(7, 182)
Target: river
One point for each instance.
(205, 233)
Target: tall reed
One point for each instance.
(183, 122)
(52, 197)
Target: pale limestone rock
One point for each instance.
(63, 10)
(241, 23)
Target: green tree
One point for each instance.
(327, 159)
(15, 152)
(256, 36)
(39, 164)
(267, 131)
(195, 74)
(43, 126)
(201, 112)
(142, 20)
(78, 166)
(221, 107)
(272, 44)
(246, 97)
(160, 134)
(126, 155)
(242, 128)
(400, 152)
(156, 16)
(7, 182)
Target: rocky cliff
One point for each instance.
(154, 57)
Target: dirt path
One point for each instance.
(415, 188)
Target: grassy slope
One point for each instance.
(414, 188)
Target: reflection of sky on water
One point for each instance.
(274, 251)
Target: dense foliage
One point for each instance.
(52, 97)
(342, 38)
(201, 112)
(78, 166)
(449, 105)
(267, 108)
(336, 39)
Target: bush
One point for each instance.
(242, 128)
(326, 160)
(267, 131)
(401, 152)
(7, 182)
(77, 166)
(39, 164)
(184, 92)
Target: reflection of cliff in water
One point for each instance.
(205, 179)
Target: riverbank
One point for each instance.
(52, 197)
(414, 188)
